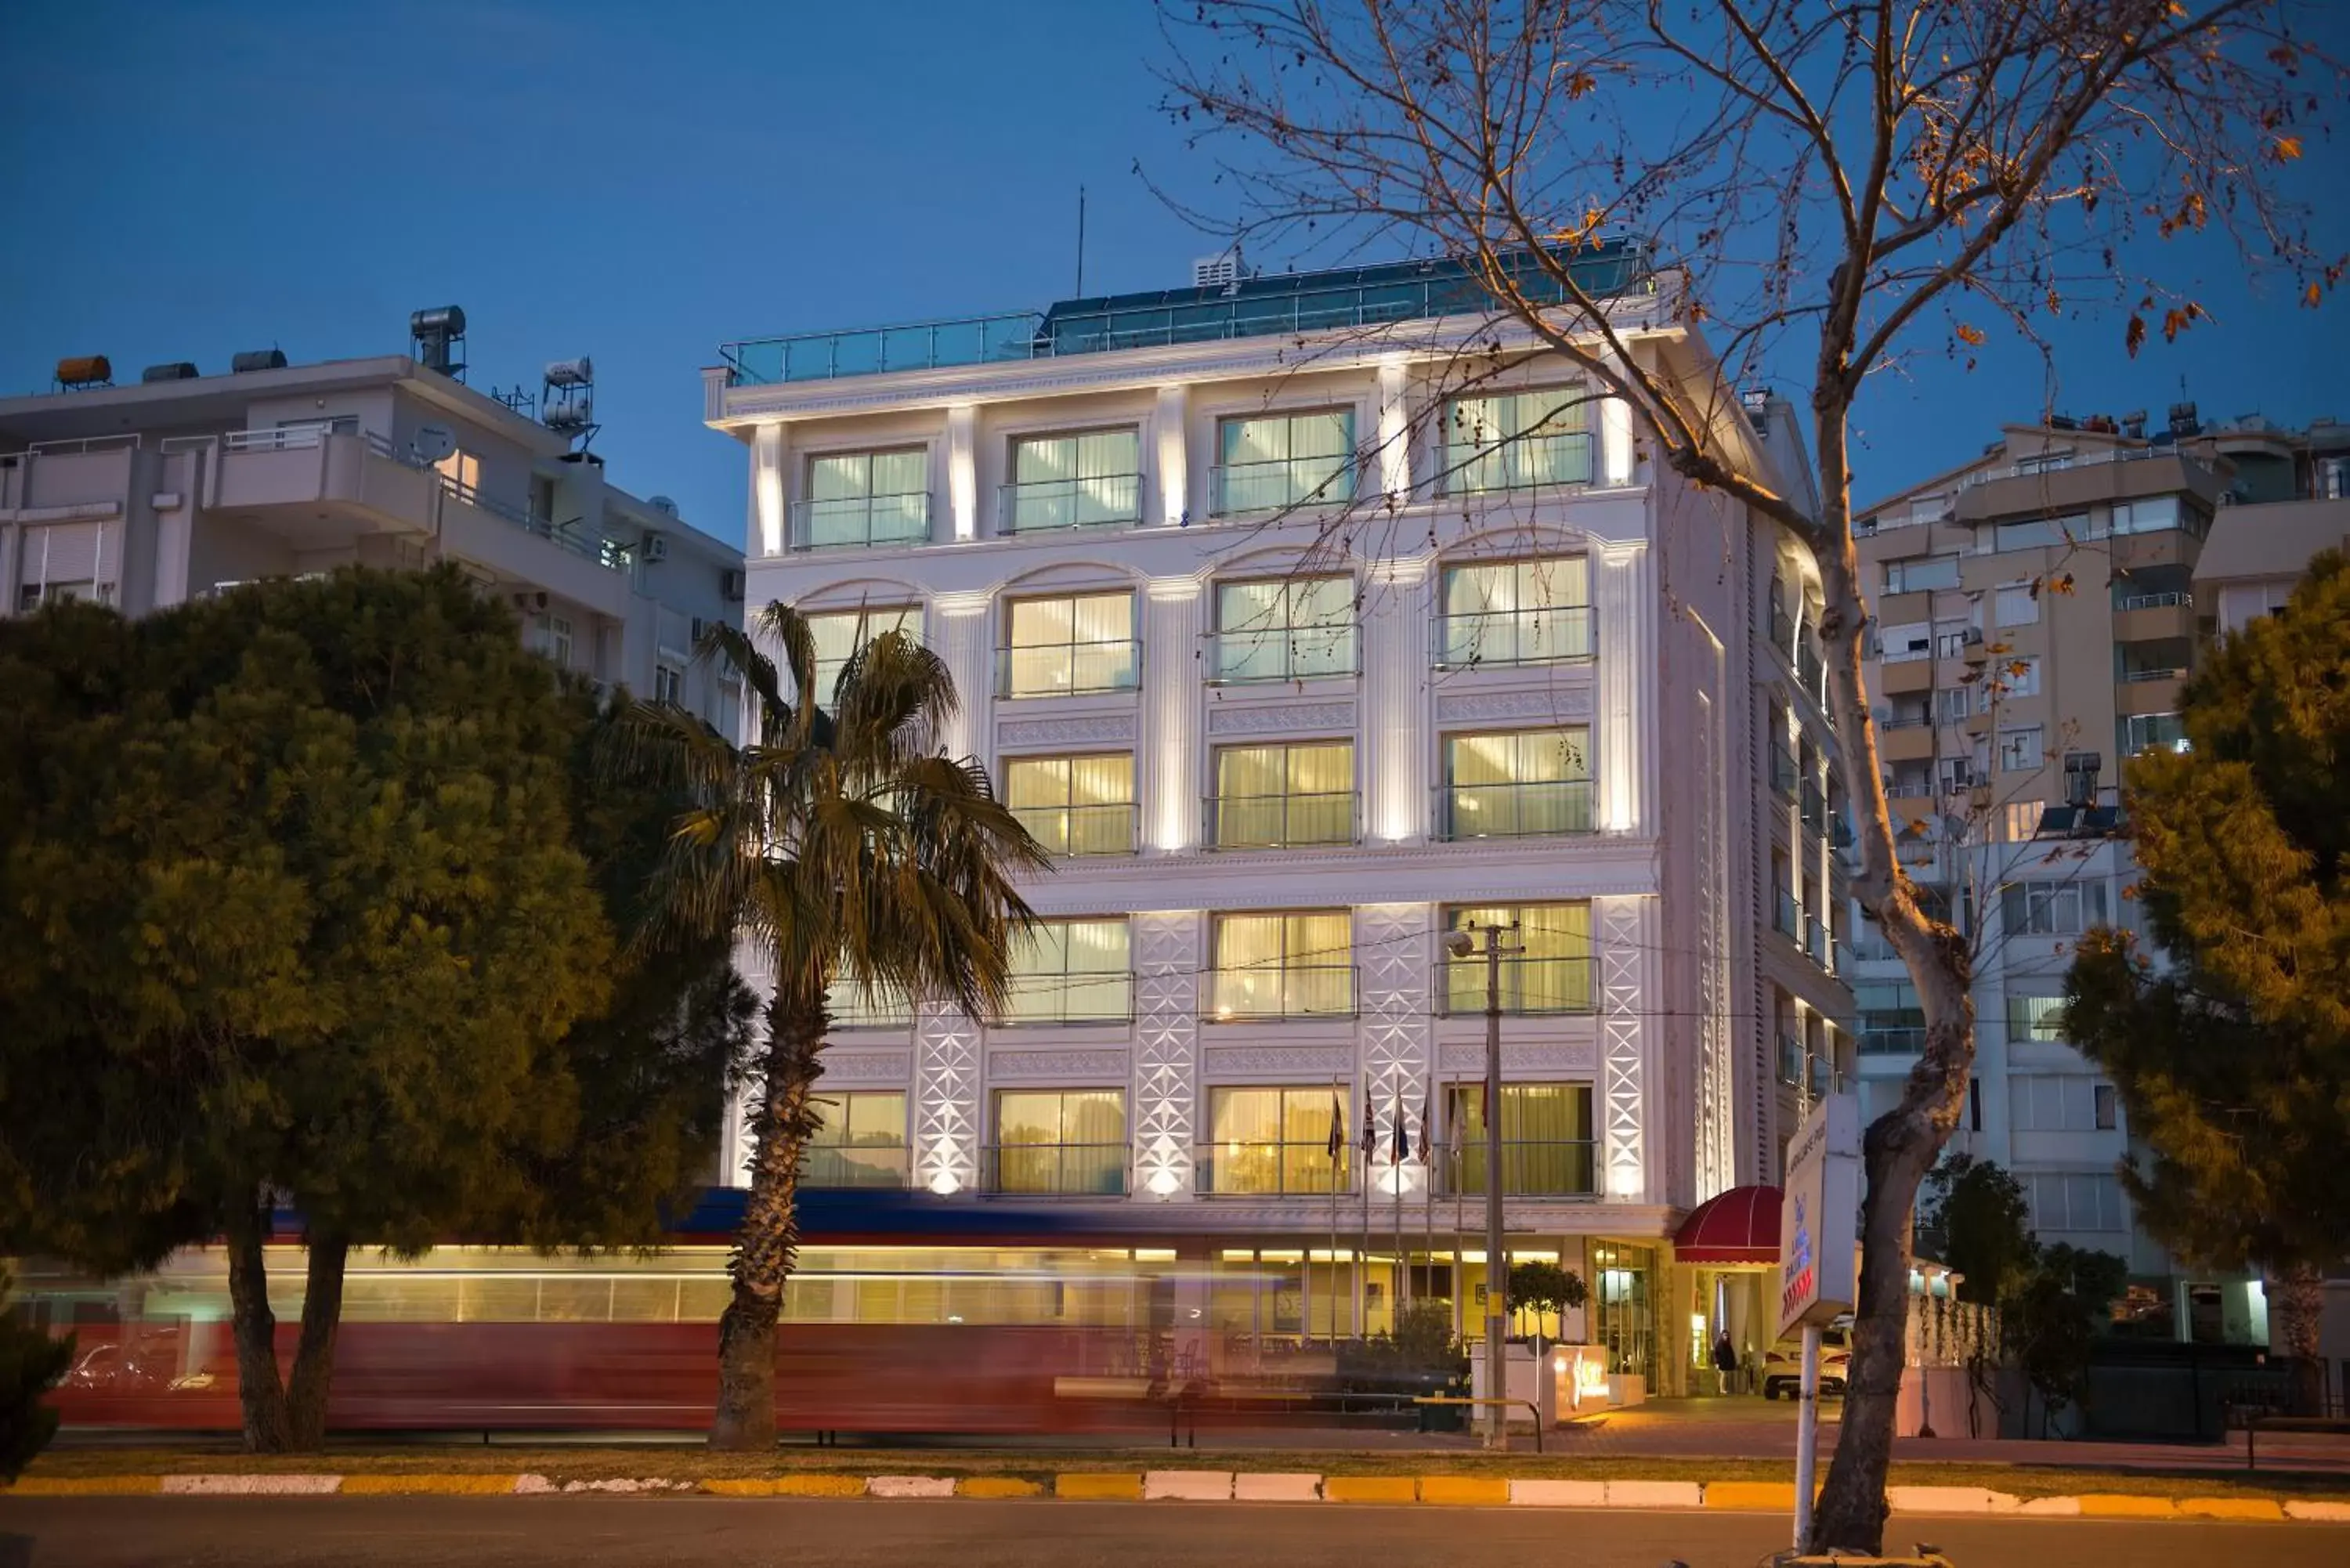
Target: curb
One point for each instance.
(1215, 1486)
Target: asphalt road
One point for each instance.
(598, 1533)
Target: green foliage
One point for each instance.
(31, 1362)
(1419, 1353)
(2050, 1314)
(1540, 1286)
(1975, 1220)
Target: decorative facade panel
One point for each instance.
(1625, 938)
(1391, 960)
(1258, 718)
(946, 1100)
(1166, 947)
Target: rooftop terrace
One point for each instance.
(1254, 308)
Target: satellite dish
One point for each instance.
(433, 442)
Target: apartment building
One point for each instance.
(2038, 611)
(149, 494)
(1303, 640)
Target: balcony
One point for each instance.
(1075, 831)
(293, 475)
(1906, 738)
(1551, 1168)
(2153, 618)
(2149, 692)
(1276, 993)
(1110, 501)
(1245, 1169)
(1892, 1041)
(1558, 460)
(1541, 809)
(855, 1164)
(1069, 668)
(850, 1010)
(1787, 917)
(1055, 1169)
(1498, 639)
(1816, 944)
(1530, 987)
(1814, 811)
(1783, 773)
(1281, 821)
(1304, 653)
(862, 522)
(1905, 676)
(1791, 1058)
(1278, 484)
(1081, 997)
(2128, 472)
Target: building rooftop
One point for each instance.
(1255, 307)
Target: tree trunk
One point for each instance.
(768, 1244)
(2297, 1303)
(313, 1356)
(260, 1392)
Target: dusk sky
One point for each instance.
(640, 183)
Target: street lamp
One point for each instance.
(1461, 945)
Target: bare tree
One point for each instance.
(1831, 184)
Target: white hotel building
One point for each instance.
(1302, 656)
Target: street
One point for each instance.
(589, 1533)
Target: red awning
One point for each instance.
(1740, 1226)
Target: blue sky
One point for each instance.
(640, 183)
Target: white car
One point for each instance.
(1783, 1365)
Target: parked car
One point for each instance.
(1783, 1365)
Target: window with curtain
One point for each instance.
(1077, 643)
(866, 498)
(2038, 1018)
(1082, 480)
(1506, 441)
(1060, 1141)
(1517, 784)
(1535, 611)
(1070, 972)
(839, 633)
(1270, 1141)
(1552, 974)
(861, 1141)
(1547, 1145)
(1080, 804)
(1269, 461)
(1277, 796)
(1285, 628)
(1299, 964)
(851, 1009)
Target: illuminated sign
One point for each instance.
(1819, 1216)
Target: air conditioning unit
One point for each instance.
(731, 585)
(530, 601)
(656, 547)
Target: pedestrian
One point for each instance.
(1725, 1361)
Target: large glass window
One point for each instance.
(2038, 1018)
(1517, 782)
(1279, 796)
(852, 1008)
(2052, 908)
(862, 1140)
(1299, 964)
(1071, 971)
(1270, 462)
(1075, 805)
(839, 633)
(1061, 646)
(1059, 1141)
(2142, 732)
(1908, 576)
(1546, 1139)
(1509, 439)
(1551, 973)
(1892, 1020)
(2072, 1200)
(1270, 1141)
(1285, 628)
(1534, 611)
(865, 498)
(1078, 481)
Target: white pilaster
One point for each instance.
(946, 1100)
(1625, 932)
(963, 469)
(1615, 442)
(1170, 425)
(768, 489)
(1395, 448)
(1167, 1051)
(1395, 668)
(1169, 764)
(962, 641)
(1629, 660)
(1392, 953)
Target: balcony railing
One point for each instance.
(1056, 1169)
(1814, 808)
(1069, 668)
(862, 522)
(2178, 599)
(1909, 789)
(850, 1010)
(1548, 1167)
(1906, 722)
(1787, 917)
(855, 1165)
(1531, 986)
(1278, 484)
(1077, 830)
(2132, 677)
(1478, 639)
(1082, 997)
(1105, 501)
(1892, 1041)
(1300, 653)
(1522, 462)
(1784, 773)
(1241, 1168)
(1791, 1061)
(1261, 991)
(1540, 808)
(1815, 943)
(1281, 821)
(1783, 628)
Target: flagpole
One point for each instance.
(1338, 1152)
(1403, 1266)
(1363, 1254)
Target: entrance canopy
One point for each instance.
(1740, 1226)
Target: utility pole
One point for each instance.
(1497, 1271)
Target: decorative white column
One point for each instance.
(962, 641)
(1395, 669)
(1627, 937)
(768, 488)
(1394, 450)
(946, 1099)
(1169, 762)
(1171, 425)
(1167, 1051)
(1629, 660)
(1393, 946)
(963, 469)
(1615, 465)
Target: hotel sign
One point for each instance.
(1819, 1216)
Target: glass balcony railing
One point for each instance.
(1075, 830)
(1269, 1170)
(1522, 462)
(1263, 992)
(1791, 1061)
(1081, 997)
(1069, 668)
(1109, 501)
(850, 1010)
(855, 1165)
(1507, 638)
(862, 522)
(1303, 653)
(1531, 986)
(1281, 821)
(1787, 917)
(1536, 809)
(1056, 1169)
(1280, 483)
(1783, 773)
(1530, 1168)
(1892, 1041)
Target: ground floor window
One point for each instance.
(1621, 1300)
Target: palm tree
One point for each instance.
(852, 850)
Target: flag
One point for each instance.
(1402, 1144)
(1370, 1131)
(1427, 1120)
(1338, 1127)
